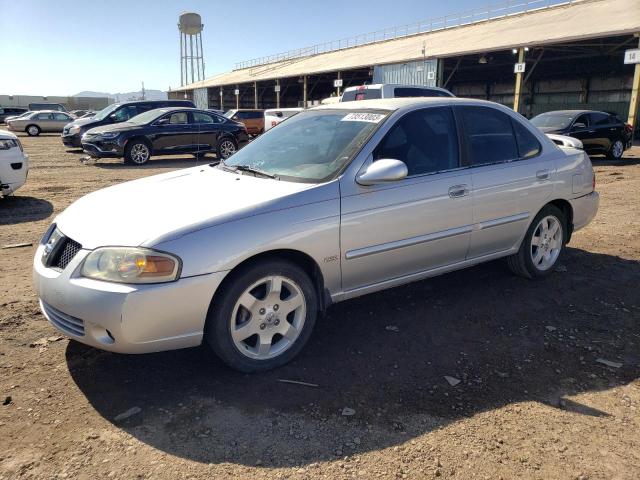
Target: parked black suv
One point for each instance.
(166, 131)
(115, 113)
(601, 133)
(10, 112)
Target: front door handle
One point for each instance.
(542, 174)
(458, 191)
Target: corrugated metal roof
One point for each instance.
(578, 21)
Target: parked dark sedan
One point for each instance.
(166, 131)
(600, 132)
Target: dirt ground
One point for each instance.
(534, 398)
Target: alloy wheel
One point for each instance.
(33, 130)
(618, 149)
(227, 148)
(268, 317)
(140, 153)
(546, 243)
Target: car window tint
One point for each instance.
(178, 118)
(584, 118)
(202, 118)
(489, 134)
(425, 140)
(61, 116)
(599, 119)
(528, 145)
(125, 113)
(45, 116)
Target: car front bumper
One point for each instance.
(584, 209)
(14, 168)
(124, 318)
(103, 149)
(72, 140)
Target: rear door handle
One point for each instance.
(542, 174)
(458, 191)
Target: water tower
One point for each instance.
(190, 27)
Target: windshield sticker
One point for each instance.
(363, 117)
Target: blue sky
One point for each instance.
(55, 47)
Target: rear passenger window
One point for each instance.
(599, 119)
(202, 118)
(490, 137)
(425, 140)
(528, 145)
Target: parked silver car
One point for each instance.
(338, 201)
(42, 121)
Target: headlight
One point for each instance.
(131, 265)
(109, 134)
(74, 129)
(7, 143)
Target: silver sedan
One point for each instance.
(43, 121)
(338, 201)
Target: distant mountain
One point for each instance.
(123, 97)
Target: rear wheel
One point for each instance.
(542, 246)
(226, 148)
(137, 152)
(616, 151)
(33, 130)
(263, 317)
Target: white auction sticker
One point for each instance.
(363, 117)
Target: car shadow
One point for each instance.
(19, 209)
(385, 358)
(155, 162)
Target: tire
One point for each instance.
(525, 263)
(199, 155)
(33, 130)
(226, 147)
(234, 330)
(137, 152)
(616, 151)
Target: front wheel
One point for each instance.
(263, 317)
(137, 152)
(542, 246)
(33, 130)
(616, 150)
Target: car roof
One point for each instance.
(47, 111)
(7, 134)
(394, 85)
(392, 104)
(575, 112)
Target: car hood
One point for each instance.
(158, 208)
(114, 127)
(7, 135)
(81, 122)
(550, 129)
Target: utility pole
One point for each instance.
(143, 92)
(518, 90)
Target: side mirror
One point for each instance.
(383, 171)
(162, 121)
(578, 126)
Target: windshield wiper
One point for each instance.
(255, 171)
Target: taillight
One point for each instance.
(273, 123)
(628, 127)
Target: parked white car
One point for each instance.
(339, 201)
(391, 90)
(274, 116)
(14, 163)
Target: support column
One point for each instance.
(277, 93)
(338, 88)
(255, 94)
(237, 96)
(635, 97)
(518, 92)
(304, 92)
(221, 99)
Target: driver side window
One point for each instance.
(425, 140)
(584, 118)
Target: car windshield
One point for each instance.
(102, 114)
(230, 113)
(553, 120)
(147, 117)
(311, 146)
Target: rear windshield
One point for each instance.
(553, 120)
(367, 94)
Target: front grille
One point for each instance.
(65, 253)
(68, 324)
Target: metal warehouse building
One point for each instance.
(573, 55)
